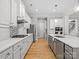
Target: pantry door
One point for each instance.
(42, 29)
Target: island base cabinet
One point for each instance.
(54, 49)
(68, 56)
(76, 53)
(59, 50)
(59, 53)
(7, 54)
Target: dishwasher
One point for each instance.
(58, 49)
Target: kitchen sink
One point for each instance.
(19, 36)
(60, 36)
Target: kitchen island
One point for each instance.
(66, 47)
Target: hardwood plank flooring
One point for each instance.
(40, 50)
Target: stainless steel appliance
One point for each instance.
(58, 49)
(32, 30)
(58, 31)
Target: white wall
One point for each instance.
(66, 25)
(4, 32)
(78, 27)
(27, 17)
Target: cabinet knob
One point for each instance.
(8, 53)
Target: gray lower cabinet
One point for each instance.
(7, 54)
(17, 54)
(59, 50)
(68, 52)
(50, 42)
(17, 51)
(54, 49)
(68, 55)
(64, 51)
(22, 49)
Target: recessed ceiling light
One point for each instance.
(54, 10)
(56, 5)
(36, 10)
(56, 20)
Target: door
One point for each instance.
(42, 28)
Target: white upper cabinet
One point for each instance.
(21, 10)
(4, 11)
(8, 12)
(14, 10)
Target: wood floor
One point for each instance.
(40, 50)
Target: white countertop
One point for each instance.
(10, 42)
(69, 40)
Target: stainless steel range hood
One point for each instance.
(21, 20)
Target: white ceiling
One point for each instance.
(47, 7)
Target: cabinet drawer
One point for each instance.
(16, 46)
(68, 56)
(7, 53)
(69, 49)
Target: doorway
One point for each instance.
(42, 28)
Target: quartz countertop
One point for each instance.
(69, 40)
(5, 44)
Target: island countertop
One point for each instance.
(69, 40)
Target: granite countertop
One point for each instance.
(69, 40)
(5, 44)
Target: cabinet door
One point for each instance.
(17, 54)
(8, 57)
(68, 56)
(59, 50)
(13, 12)
(54, 50)
(7, 54)
(22, 49)
(4, 11)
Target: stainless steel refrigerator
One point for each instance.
(32, 30)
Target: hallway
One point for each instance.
(40, 50)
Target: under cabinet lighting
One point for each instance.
(77, 9)
(56, 20)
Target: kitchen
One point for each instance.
(39, 29)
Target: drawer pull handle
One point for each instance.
(18, 45)
(8, 53)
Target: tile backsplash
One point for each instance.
(13, 30)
